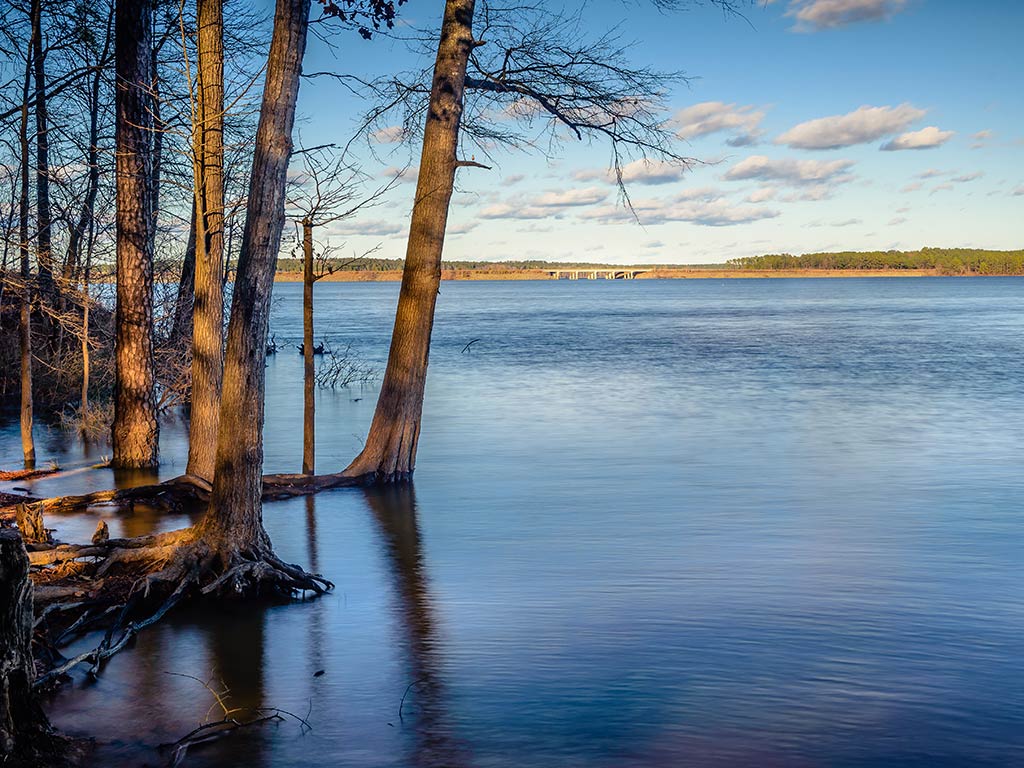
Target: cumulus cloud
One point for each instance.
(793, 172)
(392, 134)
(373, 228)
(762, 195)
(513, 211)
(715, 116)
(861, 126)
(816, 15)
(637, 172)
(546, 205)
(926, 138)
(570, 197)
(407, 175)
(717, 212)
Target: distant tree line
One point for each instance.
(946, 261)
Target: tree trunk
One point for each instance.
(208, 313)
(44, 256)
(234, 520)
(28, 446)
(308, 401)
(21, 720)
(136, 430)
(184, 302)
(390, 451)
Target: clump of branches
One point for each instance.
(343, 368)
(535, 79)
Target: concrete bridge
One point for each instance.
(595, 274)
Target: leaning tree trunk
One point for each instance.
(390, 451)
(234, 521)
(28, 446)
(22, 722)
(136, 430)
(208, 311)
(308, 395)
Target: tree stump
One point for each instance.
(29, 518)
(22, 722)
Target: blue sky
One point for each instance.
(821, 124)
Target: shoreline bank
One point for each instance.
(395, 275)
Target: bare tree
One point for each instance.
(327, 191)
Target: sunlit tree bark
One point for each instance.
(390, 450)
(208, 309)
(234, 521)
(136, 430)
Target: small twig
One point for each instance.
(408, 688)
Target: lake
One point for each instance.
(654, 523)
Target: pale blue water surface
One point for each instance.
(654, 523)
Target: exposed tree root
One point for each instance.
(131, 584)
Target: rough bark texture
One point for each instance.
(390, 451)
(234, 520)
(136, 429)
(28, 447)
(308, 394)
(21, 720)
(208, 311)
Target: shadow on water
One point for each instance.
(425, 707)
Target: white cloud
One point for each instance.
(1018, 192)
(714, 116)
(965, 177)
(927, 138)
(547, 205)
(931, 173)
(815, 15)
(861, 126)
(637, 172)
(945, 187)
(895, 222)
(717, 212)
(392, 134)
(406, 175)
(570, 197)
(762, 194)
(794, 172)
(513, 211)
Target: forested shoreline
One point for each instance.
(946, 261)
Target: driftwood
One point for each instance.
(29, 518)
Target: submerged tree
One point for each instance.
(532, 63)
(136, 430)
(327, 191)
(208, 234)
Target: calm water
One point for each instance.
(681, 523)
